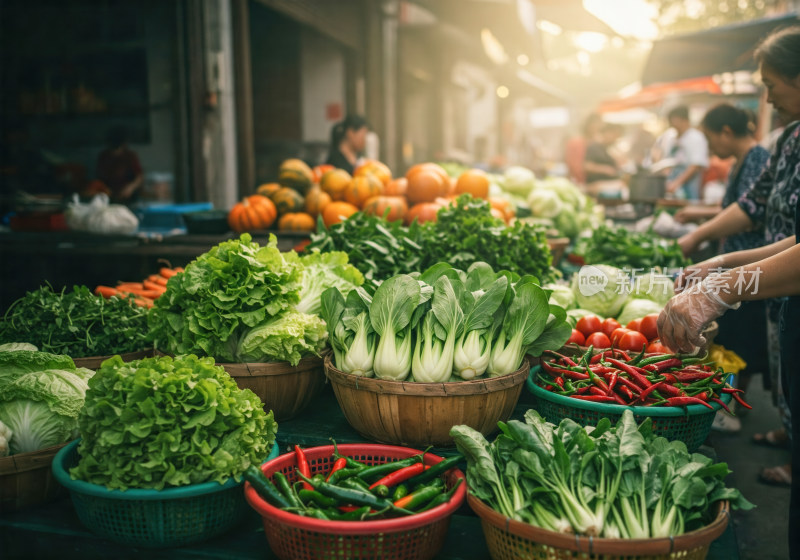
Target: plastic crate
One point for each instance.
(690, 424)
(168, 216)
(153, 518)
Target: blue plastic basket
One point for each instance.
(153, 518)
(690, 424)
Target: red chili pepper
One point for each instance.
(646, 392)
(337, 465)
(612, 381)
(633, 387)
(618, 399)
(686, 401)
(548, 387)
(560, 382)
(595, 398)
(557, 371)
(633, 371)
(664, 365)
(740, 400)
(692, 376)
(582, 390)
(302, 466)
(716, 400)
(568, 361)
(597, 380)
(626, 392)
(398, 476)
(669, 378)
(671, 390)
(598, 391)
(731, 390)
(613, 353)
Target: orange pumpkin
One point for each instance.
(296, 221)
(268, 189)
(396, 187)
(319, 170)
(379, 205)
(335, 182)
(316, 201)
(253, 213)
(287, 200)
(362, 188)
(376, 168)
(426, 182)
(474, 182)
(422, 212)
(337, 211)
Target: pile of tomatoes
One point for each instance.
(591, 330)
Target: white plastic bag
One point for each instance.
(99, 216)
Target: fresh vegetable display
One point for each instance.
(75, 322)
(164, 422)
(241, 302)
(355, 491)
(465, 232)
(442, 325)
(144, 292)
(637, 334)
(41, 395)
(605, 481)
(557, 202)
(615, 377)
(631, 250)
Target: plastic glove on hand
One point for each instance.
(681, 322)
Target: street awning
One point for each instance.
(655, 94)
(724, 49)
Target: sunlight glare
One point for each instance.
(630, 18)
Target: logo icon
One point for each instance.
(591, 280)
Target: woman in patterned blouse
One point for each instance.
(774, 204)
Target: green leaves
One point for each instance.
(626, 249)
(162, 422)
(285, 338)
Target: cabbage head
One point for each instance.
(545, 203)
(656, 287)
(561, 295)
(638, 308)
(601, 288)
(519, 180)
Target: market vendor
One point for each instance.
(348, 141)
(775, 267)
(690, 151)
(119, 169)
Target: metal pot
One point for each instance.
(646, 186)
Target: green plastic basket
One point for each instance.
(690, 424)
(153, 518)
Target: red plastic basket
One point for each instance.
(293, 537)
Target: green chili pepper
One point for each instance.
(379, 471)
(265, 488)
(399, 491)
(309, 496)
(442, 498)
(283, 485)
(436, 470)
(419, 498)
(342, 474)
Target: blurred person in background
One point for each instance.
(575, 147)
(119, 169)
(773, 201)
(348, 142)
(598, 163)
(690, 151)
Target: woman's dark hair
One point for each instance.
(350, 122)
(781, 52)
(741, 121)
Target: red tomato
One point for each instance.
(656, 347)
(576, 337)
(634, 325)
(649, 326)
(589, 324)
(617, 335)
(633, 341)
(598, 340)
(609, 326)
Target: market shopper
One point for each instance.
(119, 169)
(690, 151)
(348, 141)
(575, 147)
(775, 267)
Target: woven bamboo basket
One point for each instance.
(93, 362)
(558, 246)
(513, 540)
(26, 479)
(283, 388)
(421, 414)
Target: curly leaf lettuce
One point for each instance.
(286, 338)
(163, 422)
(222, 294)
(322, 271)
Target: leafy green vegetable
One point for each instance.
(322, 271)
(16, 362)
(636, 309)
(163, 422)
(601, 289)
(432, 361)
(15, 346)
(611, 481)
(637, 252)
(287, 337)
(236, 286)
(350, 331)
(394, 303)
(34, 426)
(656, 287)
(473, 348)
(561, 295)
(76, 323)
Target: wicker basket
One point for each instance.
(26, 479)
(558, 245)
(153, 518)
(293, 537)
(421, 414)
(94, 362)
(283, 388)
(690, 424)
(508, 539)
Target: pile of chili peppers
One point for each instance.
(614, 377)
(354, 491)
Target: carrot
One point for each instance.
(168, 272)
(148, 285)
(160, 280)
(130, 286)
(106, 291)
(149, 294)
(178, 269)
(144, 302)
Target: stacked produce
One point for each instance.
(464, 233)
(558, 203)
(41, 395)
(442, 325)
(76, 323)
(639, 251)
(242, 302)
(144, 292)
(355, 491)
(614, 377)
(163, 422)
(609, 481)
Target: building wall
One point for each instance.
(322, 79)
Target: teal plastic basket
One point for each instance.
(153, 518)
(690, 424)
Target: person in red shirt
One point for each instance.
(575, 148)
(119, 169)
